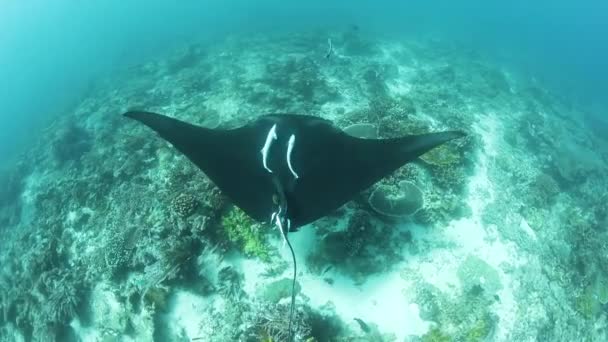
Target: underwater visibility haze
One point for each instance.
(303, 171)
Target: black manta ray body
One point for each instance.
(287, 169)
(304, 161)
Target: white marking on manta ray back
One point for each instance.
(273, 216)
(270, 137)
(292, 141)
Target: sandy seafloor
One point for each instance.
(109, 234)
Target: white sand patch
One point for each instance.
(469, 236)
(228, 106)
(32, 186)
(379, 301)
(85, 333)
(401, 85)
(439, 269)
(252, 269)
(472, 237)
(350, 99)
(398, 87)
(430, 120)
(108, 316)
(506, 309)
(186, 313)
(489, 128)
(254, 71)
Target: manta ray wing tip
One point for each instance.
(133, 114)
(458, 134)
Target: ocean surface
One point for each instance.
(109, 233)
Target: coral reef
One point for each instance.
(184, 205)
(545, 190)
(468, 318)
(109, 234)
(365, 247)
(246, 234)
(11, 186)
(118, 251)
(476, 275)
(276, 290)
(270, 323)
(401, 202)
(71, 143)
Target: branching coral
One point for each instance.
(209, 263)
(246, 234)
(177, 250)
(271, 323)
(229, 283)
(450, 164)
(466, 318)
(63, 301)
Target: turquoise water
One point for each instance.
(56, 52)
(110, 234)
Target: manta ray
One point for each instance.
(288, 169)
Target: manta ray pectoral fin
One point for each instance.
(317, 167)
(230, 158)
(182, 135)
(416, 145)
(344, 166)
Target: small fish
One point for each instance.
(362, 324)
(327, 269)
